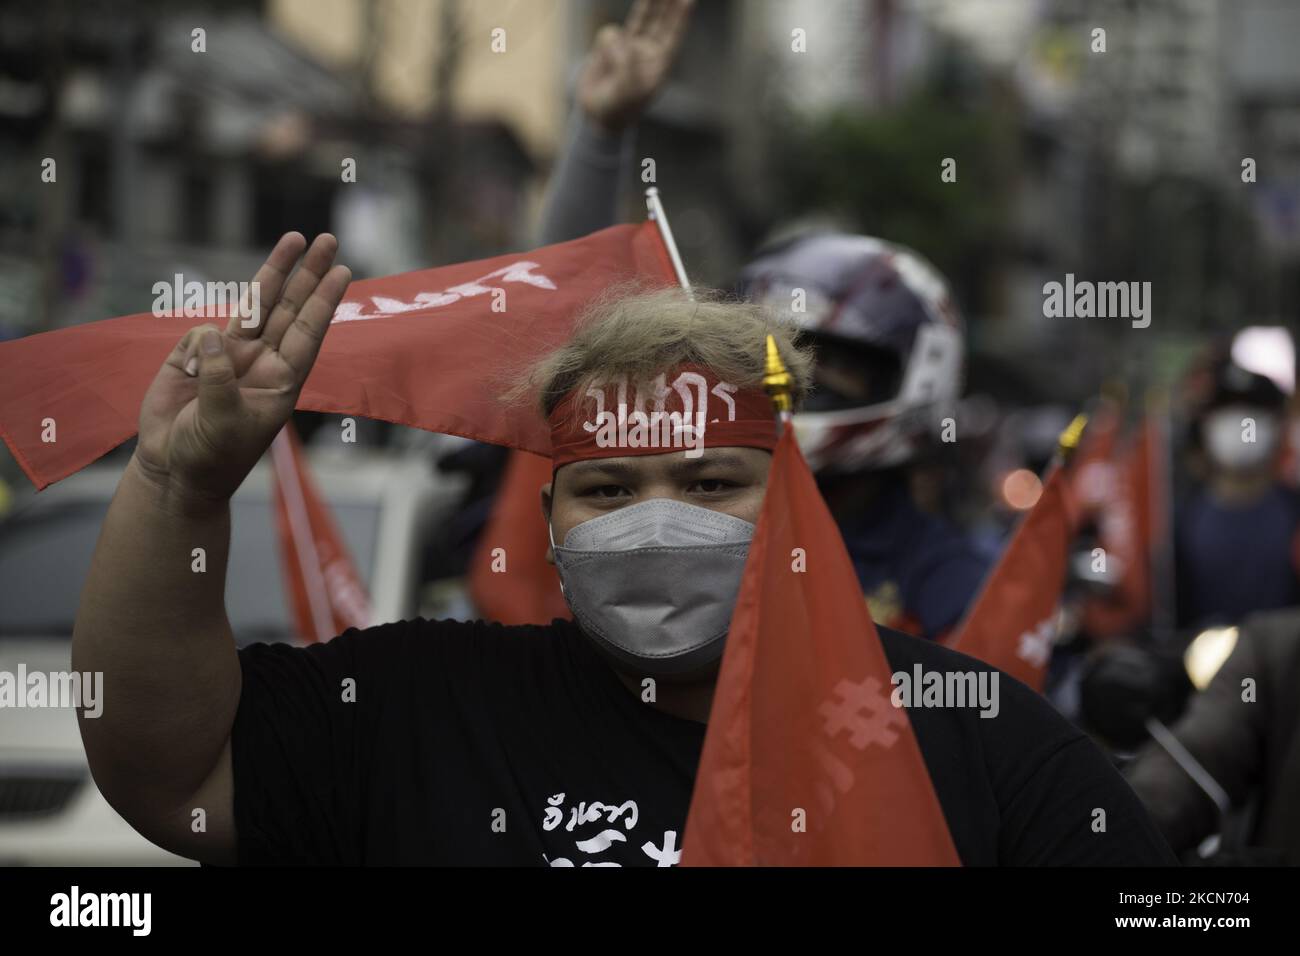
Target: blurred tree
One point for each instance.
(881, 172)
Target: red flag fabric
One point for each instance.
(509, 579)
(1012, 623)
(326, 593)
(433, 349)
(1129, 526)
(802, 718)
(1092, 466)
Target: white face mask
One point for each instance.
(654, 583)
(1234, 443)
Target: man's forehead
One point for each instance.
(670, 462)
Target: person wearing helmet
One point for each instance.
(889, 343)
(1235, 535)
(888, 338)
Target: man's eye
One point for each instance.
(711, 486)
(606, 491)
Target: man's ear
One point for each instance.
(546, 516)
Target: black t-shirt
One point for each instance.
(468, 743)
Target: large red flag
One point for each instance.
(1012, 623)
(327, 594)
(806, 760)
(509, 579)
(433, 349)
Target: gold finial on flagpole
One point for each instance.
(777, 381)
(1070, 438)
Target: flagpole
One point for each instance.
(655, 210)
(777, 381)
(285, 474)
(1189, 764)
(1159, 492)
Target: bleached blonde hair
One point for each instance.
(638, 334)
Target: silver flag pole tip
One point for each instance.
(655, 210)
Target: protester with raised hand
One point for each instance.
(154, 627)
(470, 743)
(889, 337)
(626, 67)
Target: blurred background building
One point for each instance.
(1068, 160)
(1120, 163)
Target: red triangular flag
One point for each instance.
(1012, 623)
(1092, 466)
(1130, 524)
(802, 717)
(509, 578)
(326, 593)
(433, 349)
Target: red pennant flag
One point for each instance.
(1092, 466)
(509, 579)
(326, 592)
(1130, 524)
(433, 349)
(802, 716)
(1012, 623)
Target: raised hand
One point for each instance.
(221, 396)
(628, 64)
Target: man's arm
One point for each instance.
(152, 624)
(583, 194)
(624, 70)
(158, 632)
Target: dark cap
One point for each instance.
(1234, 385)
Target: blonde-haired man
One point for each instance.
(449, 742)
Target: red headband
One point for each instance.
(687, 409)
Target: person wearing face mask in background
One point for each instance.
(1228, 763)
(472, 743)
(1235, 531)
